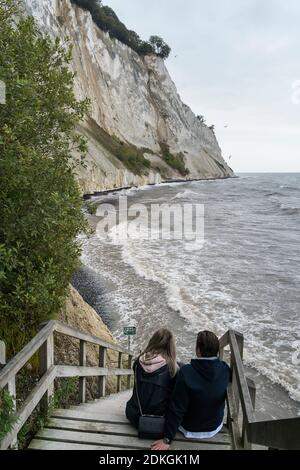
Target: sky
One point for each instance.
(237, 62)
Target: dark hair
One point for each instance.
(163, 342)
(207, 344)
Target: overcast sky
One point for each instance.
(236, 62)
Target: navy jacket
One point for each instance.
(155, 391)
(198, 399)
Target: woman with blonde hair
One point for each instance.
(154, 371)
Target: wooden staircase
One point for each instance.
(102, 425)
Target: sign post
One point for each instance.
(129, 331)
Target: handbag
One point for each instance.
(150, 427)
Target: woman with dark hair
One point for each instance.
(154, 372)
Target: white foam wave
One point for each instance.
(197, 303)
(185, 195)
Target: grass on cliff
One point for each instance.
(131, 156)
(175, 161)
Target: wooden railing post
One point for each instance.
(129, 367)
(252, 390)
(11, 386)
(235, 390)
(102, 363)
(46, 360)
(119, 383)
(82, 380)
(2, 354)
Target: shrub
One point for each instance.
(7, 418)
(160, 47)
(174, 161)
(40, 201)
(91, 208)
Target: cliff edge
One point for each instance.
(139, 131)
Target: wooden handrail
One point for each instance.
(242, 384)
(69, 331)
(43, 391)
(277, 433)
(280, 434)
(29, 406)
(18, 362)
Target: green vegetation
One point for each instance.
(107, 20)
(174, 161)
(91, 208)
(62, 398)
(160, 47)
(130, 155)
(7, 419)
(40, 201)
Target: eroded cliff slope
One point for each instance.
(134, 104)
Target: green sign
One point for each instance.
(130, 331)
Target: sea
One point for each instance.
(243, 273)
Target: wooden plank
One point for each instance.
(224, 341)
(46, 360)
(2, 354)
(243, 389)
(245, 429)
(120, 429)
(119, 377)
(97, 417)
(102, 364)
(11, 387)
(232, 420)
(28, 406)
(69, 331)
(130, 360)
(82, 380)
(280, 434)
(81, 371)
(17, 362)
(41, 444)
(119, 441)
(91, 416)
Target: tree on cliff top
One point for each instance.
(40, 201)
(160, 47)
(107, 20)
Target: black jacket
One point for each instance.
(198, 399)
(154, 390)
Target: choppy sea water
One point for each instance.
(246, 276)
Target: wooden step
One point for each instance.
(60, 437)
(41, 444)
(103, 425)
(90, 416)
(121, 430)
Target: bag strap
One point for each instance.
(136, 391)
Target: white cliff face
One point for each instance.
(132, 98)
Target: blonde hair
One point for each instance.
(163, 342)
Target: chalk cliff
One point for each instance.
(134, 100)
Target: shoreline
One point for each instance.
(105, 192)
(266, 387)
